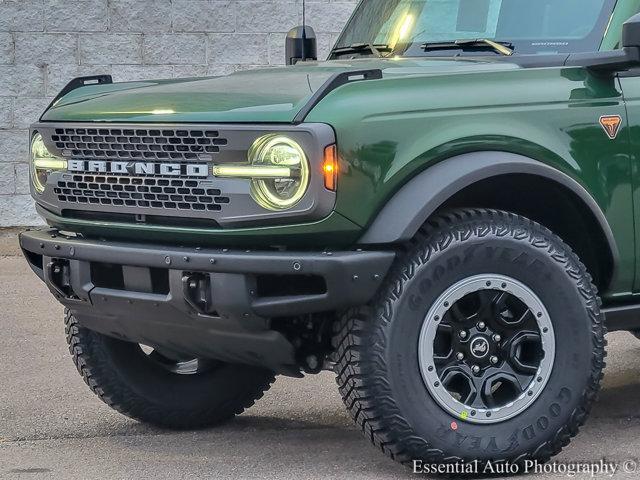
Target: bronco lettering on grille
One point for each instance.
(140, 168)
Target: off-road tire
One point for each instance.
(377, 364)
(116, 371)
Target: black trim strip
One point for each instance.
(334, 82)
(79, 82)
(622, 318)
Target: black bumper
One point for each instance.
(211, 303)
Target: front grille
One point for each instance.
(161, 173)
(138, 192)
(131, 144)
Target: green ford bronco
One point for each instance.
(443, 213)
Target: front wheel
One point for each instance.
(487, 343)
(162, 388)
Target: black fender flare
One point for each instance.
(418, 199)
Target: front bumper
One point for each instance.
(210, 303)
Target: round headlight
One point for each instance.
(43, 163)
(279, 153)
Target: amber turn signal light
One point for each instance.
(330, 168)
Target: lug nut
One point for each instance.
(460, 356)
(482, 326)
(475, 369)
(497, 338)
(463, 334)
(494, 360)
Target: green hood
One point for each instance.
(268, 95)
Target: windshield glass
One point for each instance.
(530, 26)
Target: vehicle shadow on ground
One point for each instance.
(617, 399)
(256, 422)
(618, 402)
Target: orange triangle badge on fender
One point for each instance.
(611, 125)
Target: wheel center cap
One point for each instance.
(479, 347)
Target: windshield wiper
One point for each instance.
(377, 49)
(504, 48)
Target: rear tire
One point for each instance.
(169, 394)
(379, 361)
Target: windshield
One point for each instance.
(530, 26)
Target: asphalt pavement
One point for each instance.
(52, 426)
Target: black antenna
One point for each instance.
(304, 14)
(304, 30)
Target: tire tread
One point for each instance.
(360, 335)
(93, 364)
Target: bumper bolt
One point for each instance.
(167, 260)
(297, 266)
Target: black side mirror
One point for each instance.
(301, 45)
(631, 32)
(618, 60)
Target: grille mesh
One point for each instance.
(163, 193)
(128, 143)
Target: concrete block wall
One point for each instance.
(46, 43)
